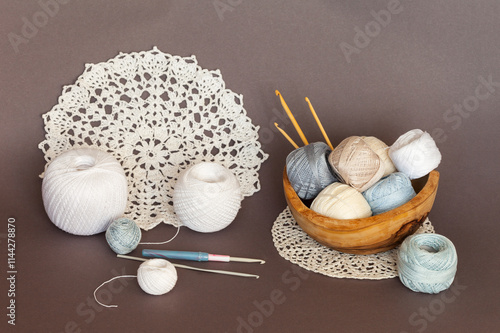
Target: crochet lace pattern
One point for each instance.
(157, 114)
(296, 246)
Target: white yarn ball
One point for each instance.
(157, 276)
(207, 197)
(341, 201)
(415, 153)
(84, 190)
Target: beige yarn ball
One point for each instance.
(207, 197)
(157, 276)
(340, 201)
(382, 150)
(356, 163)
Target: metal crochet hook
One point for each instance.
(196, 256)
(195, 268)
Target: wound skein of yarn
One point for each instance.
(308, 169)
(389, 192)
(84, 190)
(415, 153)
(382, 150)
(207, 197)
(123, 235)
(356, 164)
(427, 263)
(341, 201)
(157, 276)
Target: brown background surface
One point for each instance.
(429, 57)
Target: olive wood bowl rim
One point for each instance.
(326, 222)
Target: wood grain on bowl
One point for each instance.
(368, 235)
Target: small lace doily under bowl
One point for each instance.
(368, 235)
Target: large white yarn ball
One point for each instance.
(157, 276)
(382, 150)
(207, 197)
(415, 153)
(341, 201)
(84, 190)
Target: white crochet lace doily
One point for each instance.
(296, 246)
(156, 114)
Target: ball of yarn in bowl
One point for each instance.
(207, 197)
(308, 169)
(123, 235)
(157, 276)
(341, 201)
(390, 192)
(427, 263)
(382, 150)
(84, 190)
(415, 153)
(356, 164)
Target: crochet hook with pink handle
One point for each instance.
(195, 256)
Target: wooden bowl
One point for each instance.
(368, 235)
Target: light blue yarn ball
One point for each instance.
(427, 263)
(308, 169)
(123, 235)
(389, 193)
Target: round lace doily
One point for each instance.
(295, 245)
(157, 114)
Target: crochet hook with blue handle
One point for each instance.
(195, 256)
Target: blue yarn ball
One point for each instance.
(427, 263)
(308, 169)
(123, 235)
(389, 193)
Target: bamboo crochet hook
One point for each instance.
(216, 271)
(292, 118)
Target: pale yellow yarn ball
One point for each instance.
(340, 201)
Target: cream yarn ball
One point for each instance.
(415, 153)
(84, 190)
(340, 201)
(207, 197)
(157, 276)
(382, 150)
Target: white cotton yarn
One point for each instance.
(157, 276)
(207, 197)
(84, 190)
(382, 150)
(340, 201)
(415, 153)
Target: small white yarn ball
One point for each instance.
(382, 150)
(84, 190)
(415, 153)
(207, 197)
(341, 201)
(157, 276)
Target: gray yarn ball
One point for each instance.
(308, 169)
(123, 235)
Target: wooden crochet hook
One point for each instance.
(319, 123)
(292, 118)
